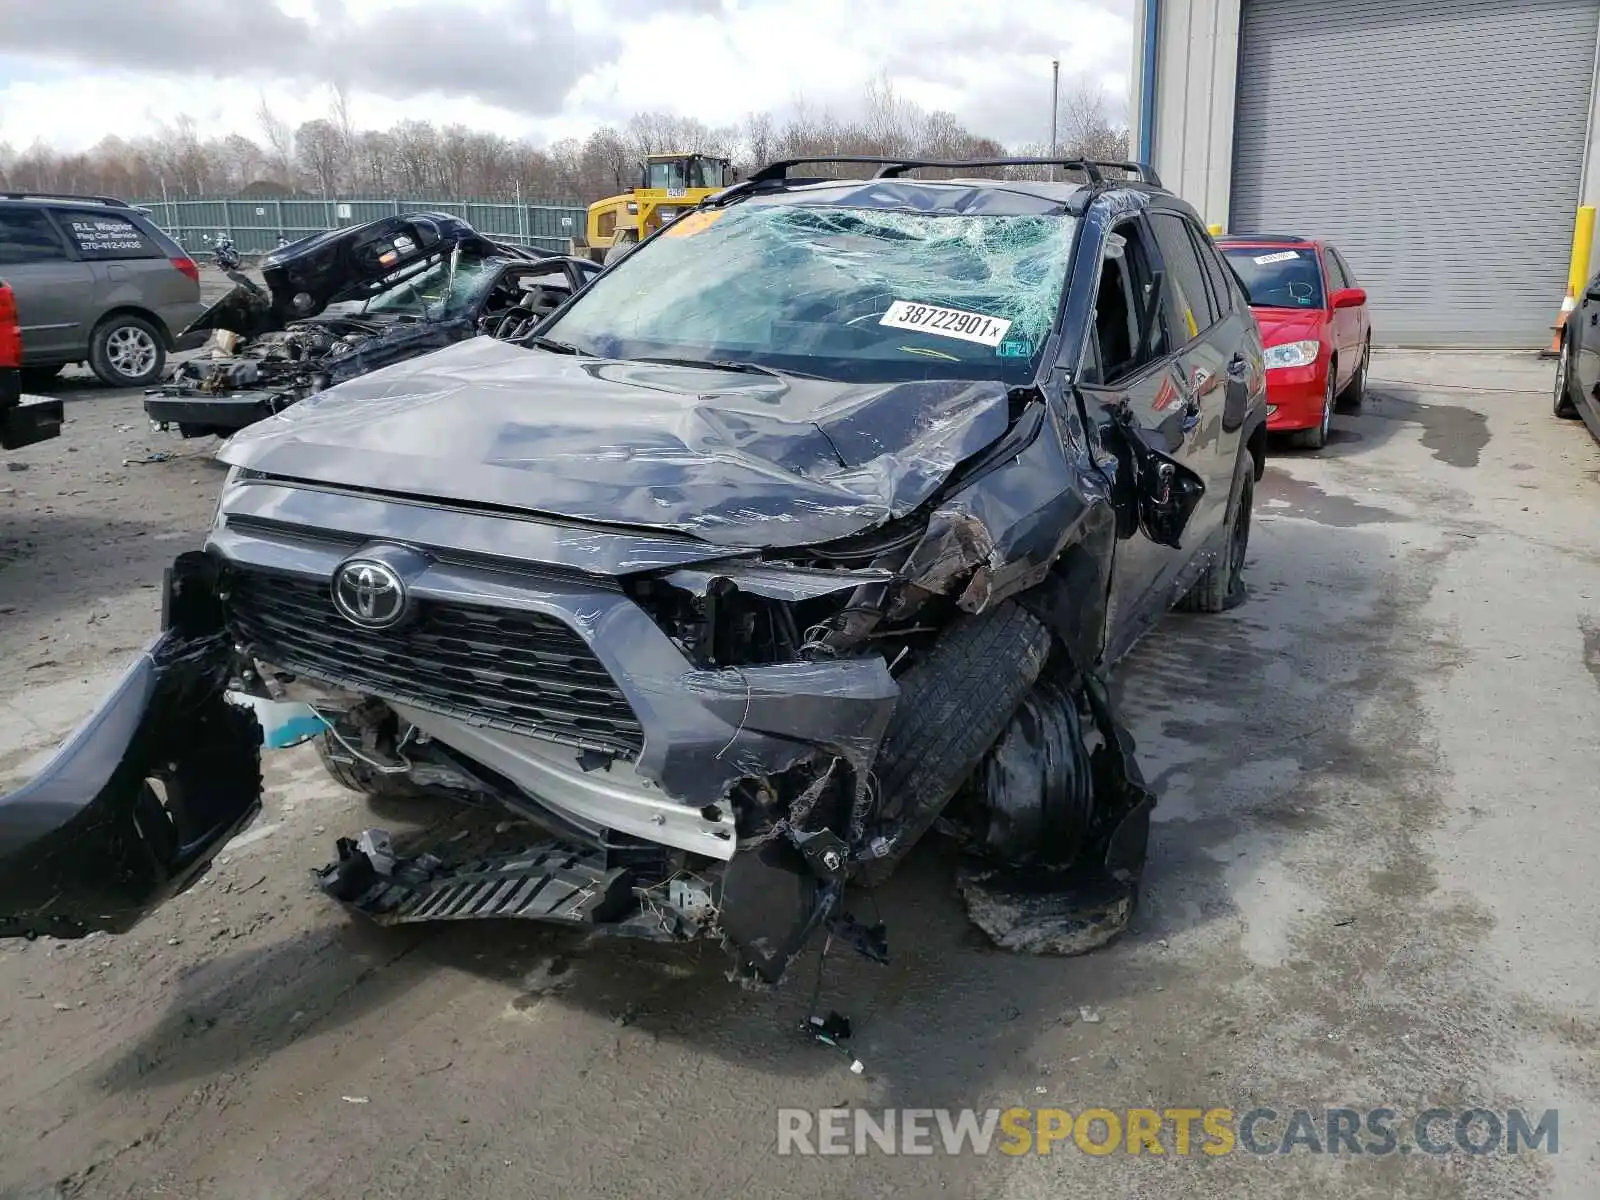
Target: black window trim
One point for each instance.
(1215, 264)
(1164, 359)
(70, 252)
(1202, 330)
(148, 233)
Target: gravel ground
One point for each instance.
(1370, 885)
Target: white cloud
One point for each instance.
(542, 68)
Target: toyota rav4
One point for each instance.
(814, 521)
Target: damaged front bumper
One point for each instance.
(186, 409)
(134, 806)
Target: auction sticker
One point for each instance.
(945, 322)
(1282, 256)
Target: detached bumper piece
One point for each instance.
(550, 881)
(766, 902)
(208, 414)
(134, 806)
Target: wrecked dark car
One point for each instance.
(339, 304)
(811, 526)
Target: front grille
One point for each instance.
(519, 671)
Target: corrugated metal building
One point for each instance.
(1444, 145)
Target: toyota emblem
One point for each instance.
(369, 594)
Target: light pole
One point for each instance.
(1055, 107)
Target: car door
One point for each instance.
(1239, 339)
(1129, 361)
(1361, 323)
(1345, 322)
(1204, 362)
(55, 291)
(132, 268)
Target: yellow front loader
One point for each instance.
(669, 186)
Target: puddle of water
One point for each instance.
(1309, 501)
(1455, 436)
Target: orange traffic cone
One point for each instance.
(1567, 306)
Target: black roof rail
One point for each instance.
(893, 168)
(1266, 239)
(108, 201)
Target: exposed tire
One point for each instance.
(1354, 395)
(1316, 437)
(358, 777)
(126, 351)
(1222, 585)
(954, 704)
(1565, 398)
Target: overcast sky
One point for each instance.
(72, 71)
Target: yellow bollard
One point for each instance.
(1582, 249)
(1216, 230)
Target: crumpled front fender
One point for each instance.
(137, 802)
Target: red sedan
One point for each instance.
(1314, 325)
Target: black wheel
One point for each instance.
(1355, 392)
(126, 351)
(1222, 585)
(36, 378)
(1565, 391)
(1316, 437)
(954, 704)
(359, 777)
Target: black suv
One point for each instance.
(95, 282)
(814, 520)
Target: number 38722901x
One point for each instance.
(945, 322)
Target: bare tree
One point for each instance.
(1087, 130)
(420, 161)
(344, 126)
(280, 140)
(320, 152)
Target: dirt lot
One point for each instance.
(1371, 885)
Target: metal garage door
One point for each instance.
(1438, 143)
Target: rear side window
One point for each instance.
(1189, 300)
(26, 236)
(1344, 268)
(1335, 269)
(99, 236)
(1217, 273)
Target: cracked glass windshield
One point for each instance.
(843, 293)
(432, 292)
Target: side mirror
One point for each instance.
(1349, 298)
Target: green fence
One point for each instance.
(256, 225)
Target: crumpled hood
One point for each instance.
(1280, 325)
(736, 459)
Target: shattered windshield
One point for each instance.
(431, 293)
(854, 294)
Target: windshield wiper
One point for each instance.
(552, 345)
(719, 364)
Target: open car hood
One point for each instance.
(737, 459)
(357, 263)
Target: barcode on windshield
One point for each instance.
(946, 322)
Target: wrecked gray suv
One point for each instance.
(808, 526)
